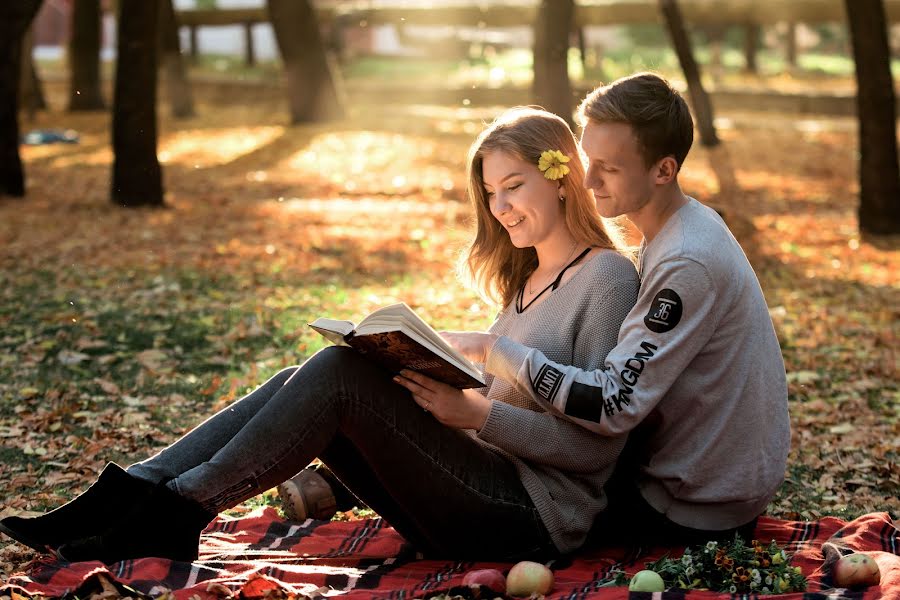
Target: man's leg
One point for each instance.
(630, 520)
(442, 490)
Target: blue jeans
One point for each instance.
(441, 489)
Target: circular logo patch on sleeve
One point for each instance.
(665, 311)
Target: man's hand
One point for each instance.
(460, 409)
(474, 345)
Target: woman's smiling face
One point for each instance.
(522, 200)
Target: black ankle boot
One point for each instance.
(164, 525)
(88, 514)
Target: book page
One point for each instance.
(333, 330)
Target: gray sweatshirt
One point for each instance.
(562, 465)
(698, 362)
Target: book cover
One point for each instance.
(395, 350)
(397, 338)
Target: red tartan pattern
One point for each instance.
(367, 559)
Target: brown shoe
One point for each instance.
(307, 495)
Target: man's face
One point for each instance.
(616, 173)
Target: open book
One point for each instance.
(397, 338)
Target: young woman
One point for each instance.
(486, 465)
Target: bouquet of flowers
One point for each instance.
(735, 567)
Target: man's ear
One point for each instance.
(666, 170)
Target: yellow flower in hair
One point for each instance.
(553, 164)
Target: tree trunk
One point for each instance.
(700, 102)
(551, 87)
(752, 35)
(581, 43)
(879, 173)
(790, 46)
(312, 84)
(137, 175)
(716, 37)
(31, 90)
(181, 99)
(15, 18)
(85, 91)
(249, 48)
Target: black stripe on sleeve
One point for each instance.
(585, 402)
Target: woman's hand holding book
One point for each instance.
(461, 409)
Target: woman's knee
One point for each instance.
(344, 373)
(286, 372)
(334, 359)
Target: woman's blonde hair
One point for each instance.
(492, 264)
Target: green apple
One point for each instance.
(646, 581)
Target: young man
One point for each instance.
(697, 375)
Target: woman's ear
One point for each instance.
(666, 170)
(561, 191)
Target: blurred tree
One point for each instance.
(85, 92)
(31, 90)
(181, 99)
(15, 18)
(715, 39)
(312, 82)
(137, 175)
(703, 111)
(551, 87)
(752, 36)
(790, 46)
(879, 173)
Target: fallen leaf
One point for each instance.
(842, 428)
(803, 377)
(108, 386)
(69, 357)
(151, 359)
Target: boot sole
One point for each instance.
(307, 496)
(292, 501)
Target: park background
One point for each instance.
(121, 326)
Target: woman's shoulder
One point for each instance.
(611, 278)
(611, 263)
(600, 273)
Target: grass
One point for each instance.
(120, 329)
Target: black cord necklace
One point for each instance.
(520, 297)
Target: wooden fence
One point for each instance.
(703, 13)
(513, 14)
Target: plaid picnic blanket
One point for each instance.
(263, 556)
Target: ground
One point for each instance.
(121, 328)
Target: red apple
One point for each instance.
(489, 578)
(527, 578)
(856, 569)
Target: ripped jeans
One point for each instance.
(445, 492)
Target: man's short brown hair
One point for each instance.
(655, 111)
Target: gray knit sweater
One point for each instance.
(698, 365)
(563, 465)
